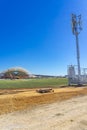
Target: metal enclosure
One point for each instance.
(73, 75)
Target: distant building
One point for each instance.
(16, 73)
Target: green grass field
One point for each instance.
(33, 83)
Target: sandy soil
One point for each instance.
(25, 109)
(13, 100)
(66, 115)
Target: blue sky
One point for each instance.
(36, 35)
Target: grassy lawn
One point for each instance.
(33, 83)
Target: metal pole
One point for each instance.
(76, 28)
(78, 59)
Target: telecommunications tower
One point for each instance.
(76, 29)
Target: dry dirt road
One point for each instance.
(70, 114)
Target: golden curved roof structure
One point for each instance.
(16, 73)
(17, 69)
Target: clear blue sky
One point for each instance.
(36, 35)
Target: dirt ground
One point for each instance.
(44, 111)
(19, 99)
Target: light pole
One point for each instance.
(76, 28)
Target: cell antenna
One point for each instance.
(76, 29)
